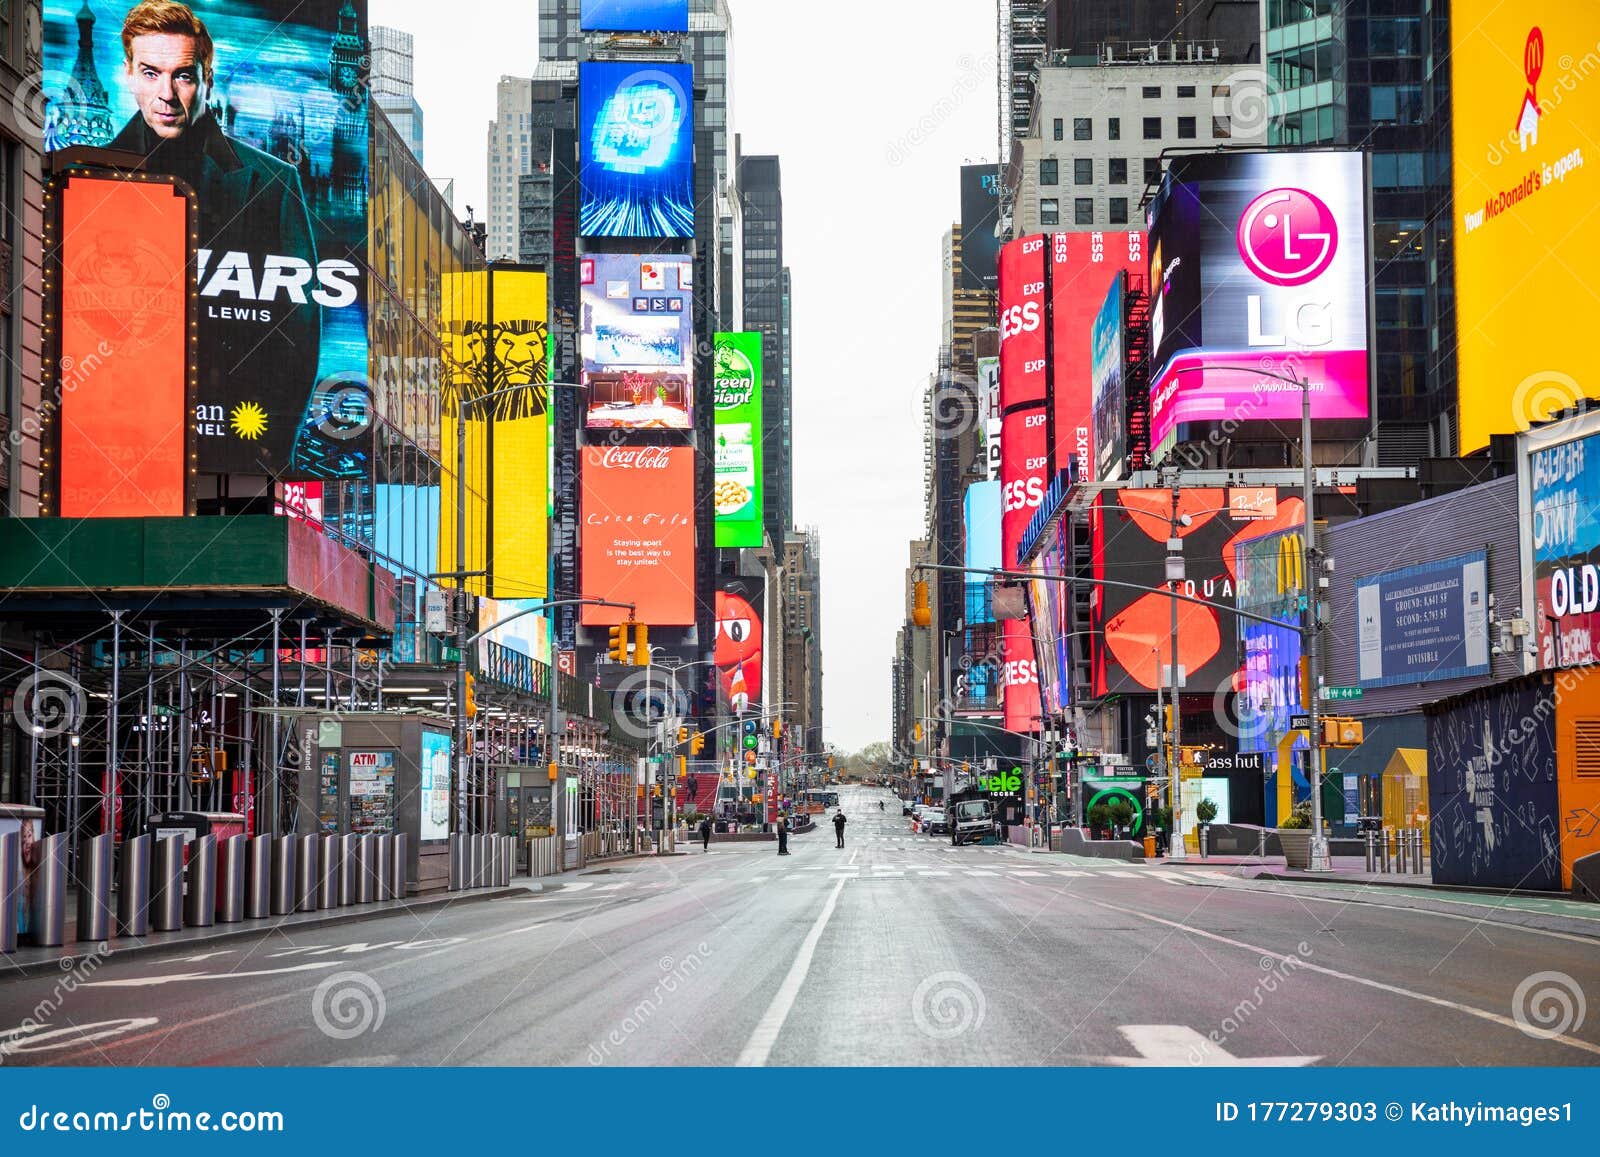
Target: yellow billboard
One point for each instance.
(1526, 107)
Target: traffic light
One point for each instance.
(683, 767)
(555, 771)
(921, 614)
(618, 649)
(469, 699)
(697, 743)
(916, 733)
(641, 645)
(683, 735)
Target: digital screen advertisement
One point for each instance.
(638, 538)
(740, 637)
(637, 341)
(1425, 623)
(1133, 644)
(518, 433)
(1049, 614)
(1082, 268)
(434, 786)
(1258, 262)
(989, 408)
(1523, 197)
(637, 150)
(634, 16)
(1564, 490)
(980, 213)
(262, 109)
(1022, 320)
(1110, 405)
(124, 331)
(737, 496)
(1025, 463)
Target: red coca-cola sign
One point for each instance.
(633, 457)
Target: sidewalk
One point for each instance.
(30, 961)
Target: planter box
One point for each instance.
(1296, 844)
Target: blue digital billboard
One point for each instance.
(637, 165)
(634, 16)
(1425, 623)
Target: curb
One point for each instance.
(19, 970)
(1402, 882)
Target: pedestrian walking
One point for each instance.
(705, 832)
(783, 836)
(838, 826)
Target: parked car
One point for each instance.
(934, 822)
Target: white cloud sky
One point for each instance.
(872, 106)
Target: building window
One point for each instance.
(1152, 92)
(1114, 129)
(1152, 128)
(1083, 171)
(1117, 171)
(1060, 129)
(1186, 128)
(1049, 211)
(1117, 208)
(1083, 211)
(1185, 90)
(1152, 170)
(1049, 171)
(1082, 129)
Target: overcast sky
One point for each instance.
(872, 105)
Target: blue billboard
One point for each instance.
(1425, 623)
(634, 16)
(637, 142)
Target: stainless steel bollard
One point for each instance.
(328, 878)
(307, 874)
(95, 863)
(258, 882)
(399, 868)
(1383, 851)
(348, 845)
(474, 862)
(1416, 854)
(510, 845)
(200, 896)
(10, 888)
(48, 926)
(284, 857)
(133, 887)
(1372, 851)
(365, 850)
(455, 861)
(385, 855)
(166, 885)
(231, 879)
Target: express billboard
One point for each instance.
(980, 217)
(638, 537)
(634, 16)
(1022, 321)
(1522, 209)
(1024, 465)
(1258, 261)
(738, 493)
(1563, 482)
(122, 371)
(636, 166)
(1424, 623)
(261, 108)
(637, 341)
(1082, 266)
(1110, 404)
(1133, 644)
(740, 647)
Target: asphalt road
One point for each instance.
(897, 949)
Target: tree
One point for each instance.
(871, 761)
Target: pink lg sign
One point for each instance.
(1287, 237)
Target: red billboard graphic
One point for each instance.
(124, 360)
(1082, 267)
(1022, 321)
(1024, 464)
(738, 654)
(638, 534)
(1133, 638)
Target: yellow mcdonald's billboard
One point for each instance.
(1525, 111)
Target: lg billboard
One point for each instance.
(1258, 262)
(261, 109)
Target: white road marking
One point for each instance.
(759, 1046)
(1178, 1044)
(1118, 872)
(1023, 873)
(980, 872)
(1071, 872)
(844, 875)
(757, 879)
(931, 872)
(882, 874)
(178, 977)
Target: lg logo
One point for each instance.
(1287, 237)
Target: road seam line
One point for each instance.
(759, 1046)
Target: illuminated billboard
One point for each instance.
(637, 150)
(1562, 512)
(737, 496)
(638, 537)
(517, 433)
(1022, 321)
(1082, 266)
(634, 16)
(262, 109)
(1523, 210)
(1107, 353)
(1024, 464)
(123, 378)
(1132, 648)
(1258, 261)
(739, 652)
(980, 214)
(637, 339)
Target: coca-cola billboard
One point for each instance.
(638, 534)
(1022, 321)
(1024, 468)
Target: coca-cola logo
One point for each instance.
(636, 457)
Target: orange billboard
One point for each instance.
(123, 365)
(638, 534)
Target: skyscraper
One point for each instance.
(760, 182)
(510, 156)
(391, 85)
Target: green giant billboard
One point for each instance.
(737, 495)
